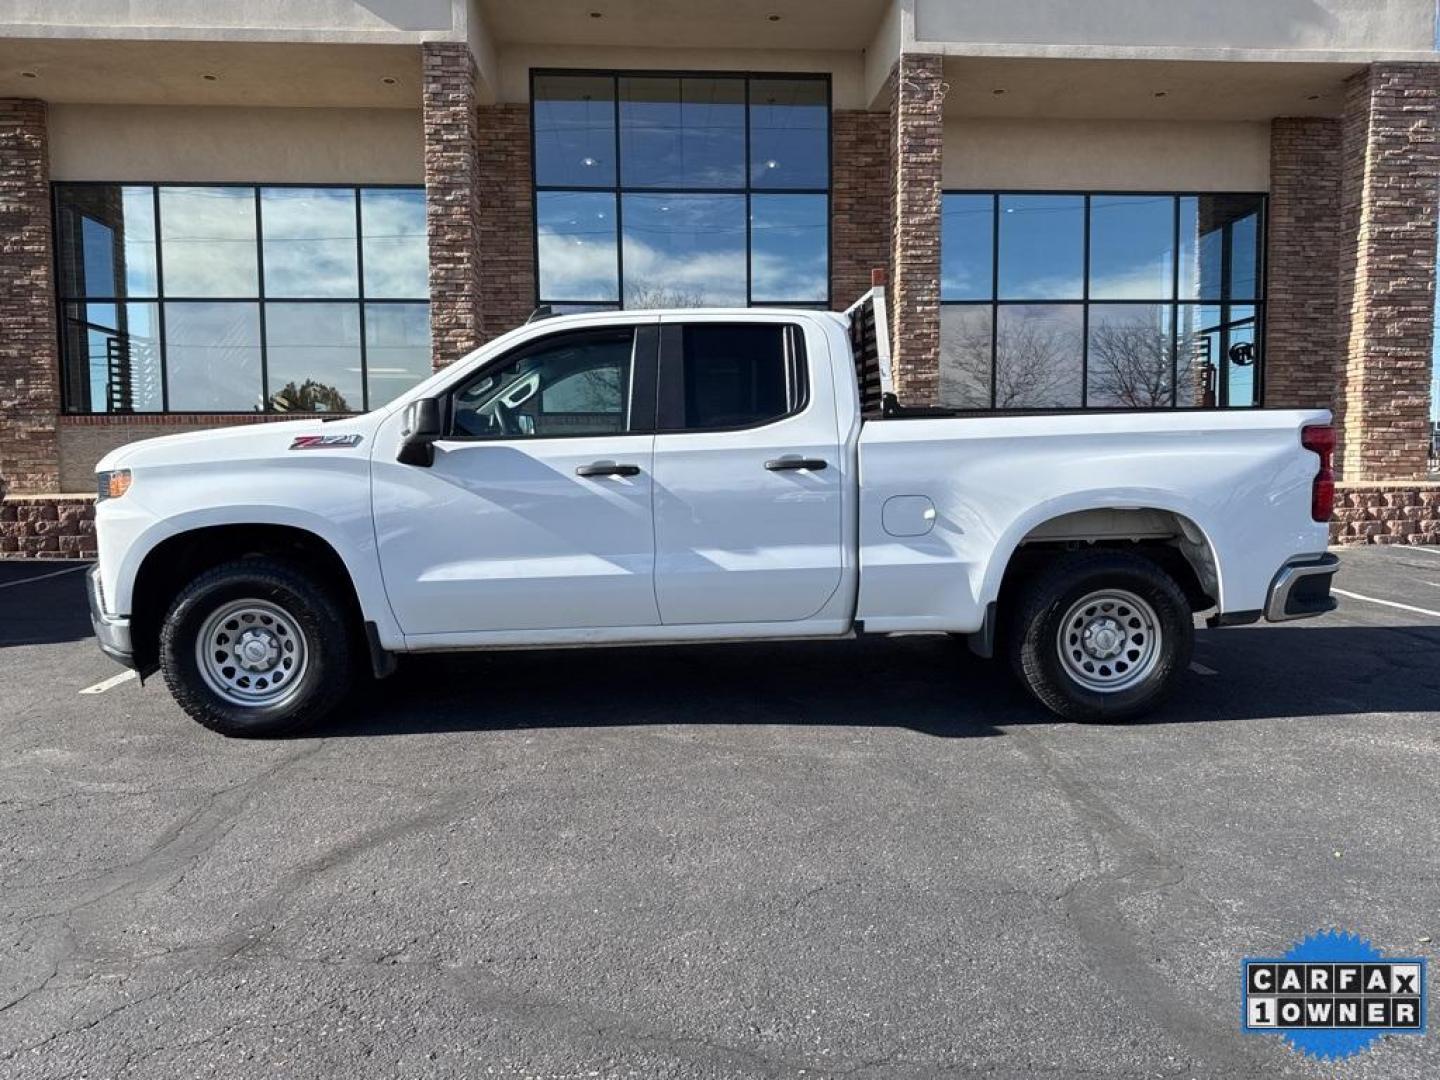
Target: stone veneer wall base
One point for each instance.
(47, 527)
(1386, 512)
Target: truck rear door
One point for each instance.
(749, 476)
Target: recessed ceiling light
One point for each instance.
(389, 80)
(997, 91)
(1313, 97)
(588, 162)
(773, 18)
(597, 14)
(29, 74)
(772, 164)
(210, 78)
(1161, 93)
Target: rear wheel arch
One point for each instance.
(179, 559)
(1172, 540)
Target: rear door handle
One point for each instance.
(786, 464)
(607, 468)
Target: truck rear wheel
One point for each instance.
(255, 648)
(1101, 635)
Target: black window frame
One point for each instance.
(1174, 303)
(160, 299)
(644, 362)
(619, 189)
(670, 407)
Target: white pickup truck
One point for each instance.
(679, 476)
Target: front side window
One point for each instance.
(240, 298)
(681, 191)
(572, 384)
(1064, 301)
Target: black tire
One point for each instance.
(1034, 645)
(325, 674)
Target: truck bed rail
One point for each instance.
(870, 345)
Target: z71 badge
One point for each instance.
(325, 442)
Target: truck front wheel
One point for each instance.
(1101, 635)
(255, 648)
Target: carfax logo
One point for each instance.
(1332, 995)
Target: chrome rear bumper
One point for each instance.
(1302, 589)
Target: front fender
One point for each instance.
(351, 537)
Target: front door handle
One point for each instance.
(607, 468)
(785, 464)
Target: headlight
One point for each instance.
(111, 484)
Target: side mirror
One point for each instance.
(422, 426)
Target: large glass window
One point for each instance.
(681, 190)
(1144, 300)
(240, 298)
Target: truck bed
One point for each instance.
(1234, 484)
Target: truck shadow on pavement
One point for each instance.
(927, 684)
(42, 602)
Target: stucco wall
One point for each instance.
(161, 18)
(1267, 25)
(118, 142)
(1106, 155)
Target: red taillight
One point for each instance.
(1320, 439)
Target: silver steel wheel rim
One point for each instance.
(251, 653)
(1109, 641)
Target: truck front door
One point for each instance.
(535, 514)
(748, 472)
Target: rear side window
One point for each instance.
(731, 375)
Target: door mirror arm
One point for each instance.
(422, 427)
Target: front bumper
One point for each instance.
(1302, 589)
(111, 631)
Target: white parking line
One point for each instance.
(42, 577)
(1386, 603)
(1422, 550)
(110, 683)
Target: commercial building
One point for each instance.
(219, 213)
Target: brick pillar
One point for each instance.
(1390, 182)
(29, 362)
(507, 228)
(1303, 345)
(452, 199)
(916, 140)
(859, 202)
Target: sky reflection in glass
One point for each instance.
(668, 222)
(788, 243)
(684, 250)
(682, 133)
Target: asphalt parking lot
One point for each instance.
(871, 859)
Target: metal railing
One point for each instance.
(132, 371)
